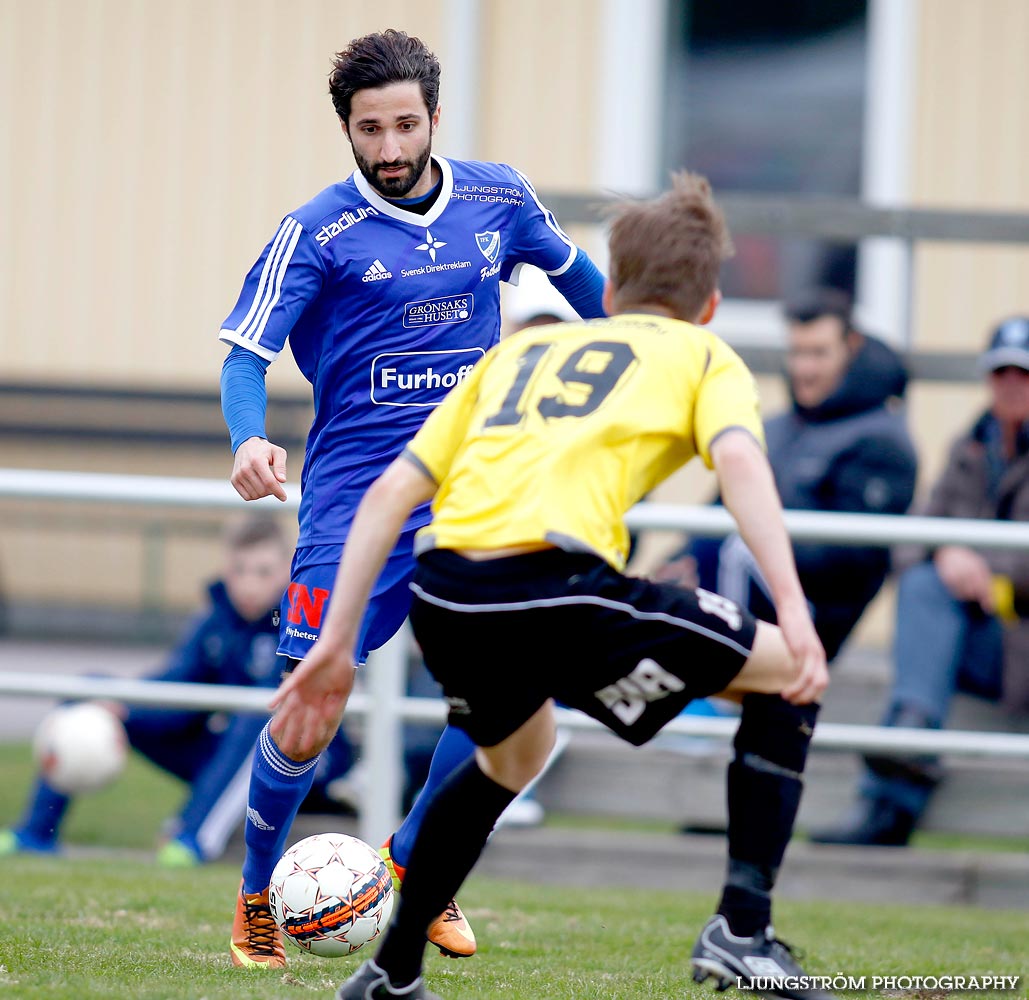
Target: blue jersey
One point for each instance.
(385, 311)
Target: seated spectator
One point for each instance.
(842, 446)
(232, 642)
(962, 613)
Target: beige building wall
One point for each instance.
(544, 125)
(970, 147)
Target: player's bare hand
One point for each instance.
(259, 470)
(966, 575)
(309, 703)
(803, 643)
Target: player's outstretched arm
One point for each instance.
(311, 700)
(748, 491)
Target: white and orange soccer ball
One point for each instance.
(80, 748)
(331, 894)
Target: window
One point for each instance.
(769, 98)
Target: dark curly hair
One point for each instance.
(379, 59)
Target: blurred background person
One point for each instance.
(232, 641)
(962, 613)
(843, 445)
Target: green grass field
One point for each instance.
(84, 929)
(115, 926)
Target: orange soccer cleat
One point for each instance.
(256, 940)
(450, 931)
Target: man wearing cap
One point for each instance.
(962, 613)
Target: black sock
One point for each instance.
(747, 912)
(764, 787)
(457, 824)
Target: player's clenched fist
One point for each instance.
(259, 470)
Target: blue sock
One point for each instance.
(454, 748)
(277, 787)
(41, 823)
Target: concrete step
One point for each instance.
(598, 776)
(669, 861)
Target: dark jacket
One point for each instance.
(219, 647)
(852, 453)
(222, 647)
(977, 483)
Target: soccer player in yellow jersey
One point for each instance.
(531, 463)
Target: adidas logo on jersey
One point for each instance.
(377, 272)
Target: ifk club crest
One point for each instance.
(489, 244)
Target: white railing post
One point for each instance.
(383, 758)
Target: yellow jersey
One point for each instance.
(560, 429)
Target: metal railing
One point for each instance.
(803, 525)
(383, 696)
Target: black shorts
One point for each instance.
(504, 635)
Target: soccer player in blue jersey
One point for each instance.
(387, 285)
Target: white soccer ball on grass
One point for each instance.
(331, 894)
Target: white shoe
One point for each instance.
(523, 811)
(351, 789)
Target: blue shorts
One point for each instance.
(312, 578)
